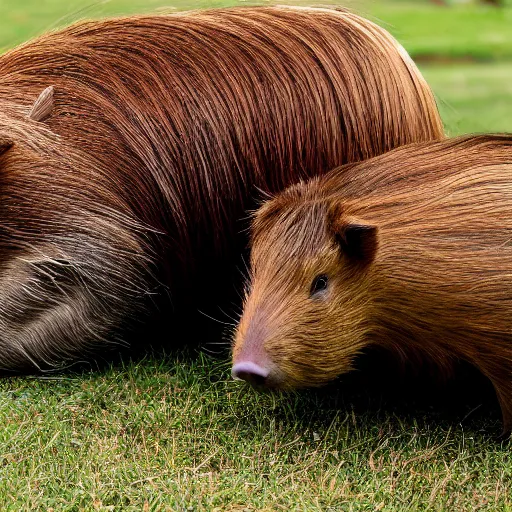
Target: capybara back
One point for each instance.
(125, 188)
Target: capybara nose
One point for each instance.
(252, 373)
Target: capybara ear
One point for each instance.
(357, 239)
(5, 144)
(43, 106)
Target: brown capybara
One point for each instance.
(410, 251)
(125, 185)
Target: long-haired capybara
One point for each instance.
(410, 251)
(124, 186)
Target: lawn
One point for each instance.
(176, 433)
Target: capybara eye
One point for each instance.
(319, 284)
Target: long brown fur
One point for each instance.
(131, 150)
(417, 249)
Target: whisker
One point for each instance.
(215, 319)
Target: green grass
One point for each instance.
(473, 98)
(473, 31)
(178, 434)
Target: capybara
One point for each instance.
(132, 149)
(410, 251)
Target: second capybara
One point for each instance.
(410, 251)
(131, 150)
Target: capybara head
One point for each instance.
(303, 320)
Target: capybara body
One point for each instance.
(125, 186)
(410, 251)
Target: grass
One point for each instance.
(468, 32)
(176, 433)
(473, 98)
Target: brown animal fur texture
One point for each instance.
(131, 150)
(410, 251)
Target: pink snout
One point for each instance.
(251, 361)
(251, 372)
